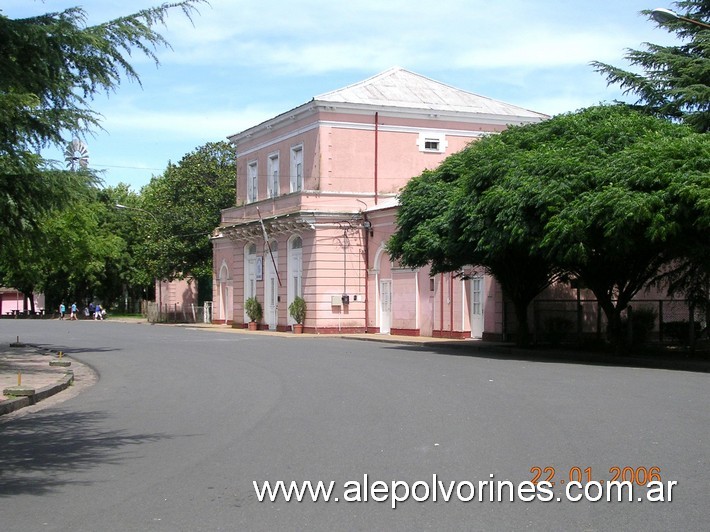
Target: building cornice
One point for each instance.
(315, 107)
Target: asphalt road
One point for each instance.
(182, 421)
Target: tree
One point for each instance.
(675, 80)
(441, 209)
(51, 67)
(608, 195)
(183, 208)
(675, 84)
(126, 279)
(66, 255)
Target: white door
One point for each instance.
(385, 306)
(477, 307)
(271, 312)
(249, 274)
(295, 271)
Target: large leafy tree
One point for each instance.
(51, 67)
(126, 280)
(673, 81)
(460, 214)
(181, 208)
(66, 256)
(608, 195)
(636, 201)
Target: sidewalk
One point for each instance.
(31, 366)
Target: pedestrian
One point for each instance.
(73, 311)
(62, 310)
(97, 312)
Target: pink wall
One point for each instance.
(339, 152)
(179, 293)
(11, 300)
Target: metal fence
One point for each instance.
(661, 321)
(177, 313)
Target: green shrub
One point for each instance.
(297, 309)
(253, 309)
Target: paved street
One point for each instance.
(183, 420)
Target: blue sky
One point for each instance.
(243, 61)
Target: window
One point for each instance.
(252, 182)
(432, 142)
(476, 295)
(273, 175)
(297, 168)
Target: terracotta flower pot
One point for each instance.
(253, 326)
(298, 328)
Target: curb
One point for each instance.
(20, 402)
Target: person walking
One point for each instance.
(73, 312)
(97, 312)
(62, 310)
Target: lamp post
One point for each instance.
(158, 289)
(662, 16)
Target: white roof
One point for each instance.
(401, 88)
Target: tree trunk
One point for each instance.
(522, 336)
(615, 333)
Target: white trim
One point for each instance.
(466, 133)
(280, 138)
(376, 262)
(440, 138)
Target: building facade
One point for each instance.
(316, 201)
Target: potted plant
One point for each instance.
(297, 309)
(253, 309)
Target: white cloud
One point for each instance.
(244, 61)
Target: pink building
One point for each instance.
(13, 302)
(316, 199)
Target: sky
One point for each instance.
(240, 62)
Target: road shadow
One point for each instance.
(36, 451)
(674, 362)
(70, 350)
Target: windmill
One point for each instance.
(76, 155)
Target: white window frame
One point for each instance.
(297, 168)
(432, 142)
(272, 177)
(252, 181)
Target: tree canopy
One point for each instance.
(50, 69)
(674, 81)
(607, 195)
(181, 209)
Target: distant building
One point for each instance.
(12, 301)
(323, 180)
